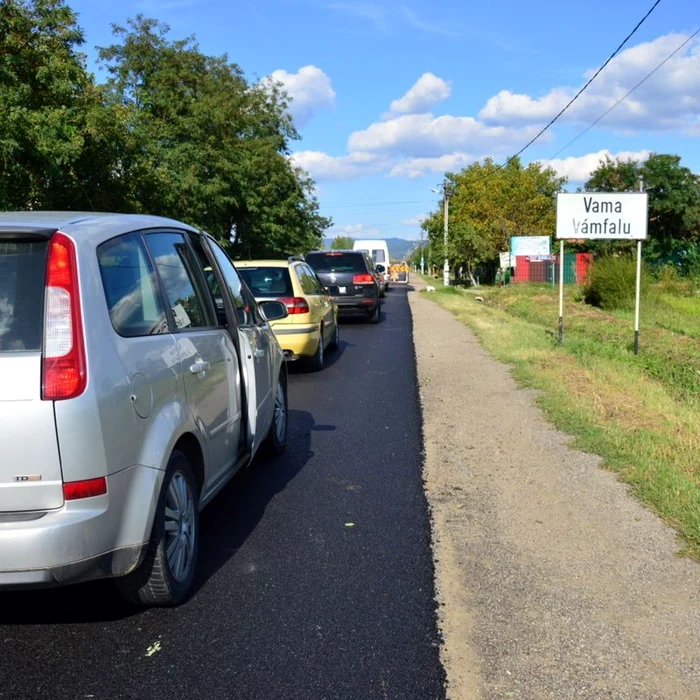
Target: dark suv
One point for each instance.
(351, 280)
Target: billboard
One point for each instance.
(533, 246)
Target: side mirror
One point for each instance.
(273, 310)
(380, 268)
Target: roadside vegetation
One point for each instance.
(641, 414)
(490, 203)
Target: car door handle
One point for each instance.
(259, 352)
(199, 367)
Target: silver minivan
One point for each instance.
(137, 375)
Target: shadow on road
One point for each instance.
(332, 356)
(225, 526)
(233, 515)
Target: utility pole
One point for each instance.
(446, 266)
(422, 257)
(638, 286)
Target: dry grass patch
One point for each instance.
(640, 414)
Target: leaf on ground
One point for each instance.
(153, 649)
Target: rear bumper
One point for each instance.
(354, 305)
(103, 536)
(297, 341)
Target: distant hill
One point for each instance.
(398, 247)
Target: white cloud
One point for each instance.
(428, 91)
(322, 166)
(670, 99)
(417, 167)
(579, 168)
(413, 145)
(426, 136)
(354, 231)
(310, 90)
(414, 221)
(411, 142)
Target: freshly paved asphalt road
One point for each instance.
(291, 602)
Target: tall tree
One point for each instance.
(342, 243)
(488, 205)
(206, 146)
(674, 204)
(56, 136)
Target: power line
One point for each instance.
(364, 205)
(551, 122)
(627, 94)
(591, 79)
(576, 96)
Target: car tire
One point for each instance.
(373, 316)
(317, 360)
(163, 579)
(276, 439)
(335, 342)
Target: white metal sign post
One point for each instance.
(561, 291)
(602, 216)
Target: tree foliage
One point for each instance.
(674, 204)
(342, 243)
(174, 132)
(488, 205)
(55, 130)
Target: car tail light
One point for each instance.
(295, 305)
(73, 490)
(64, 373)
(363, 279)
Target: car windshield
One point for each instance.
(267, 281)
(22, 271)
(337, 262)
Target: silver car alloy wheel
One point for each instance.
(180, 529)
(280, 416)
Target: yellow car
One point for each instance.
(312, 325)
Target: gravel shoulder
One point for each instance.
(552, 580)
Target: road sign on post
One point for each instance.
(602, 215)
(590, 216)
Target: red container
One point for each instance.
(583, 265)
(522, 269)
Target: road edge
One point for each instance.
(460, 662)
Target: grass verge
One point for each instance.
(641, 414)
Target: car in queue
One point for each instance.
(137, 375)
(350, 277)
(311, 327)
(383, 279)
(378, 250)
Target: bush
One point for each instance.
(611, 283)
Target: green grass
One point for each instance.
(641, 414)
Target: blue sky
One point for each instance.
(389, 95)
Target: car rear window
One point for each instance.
(378, 256)
(267, 281)
(337, 262)
(22, 274)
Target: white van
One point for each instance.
(379, 252)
